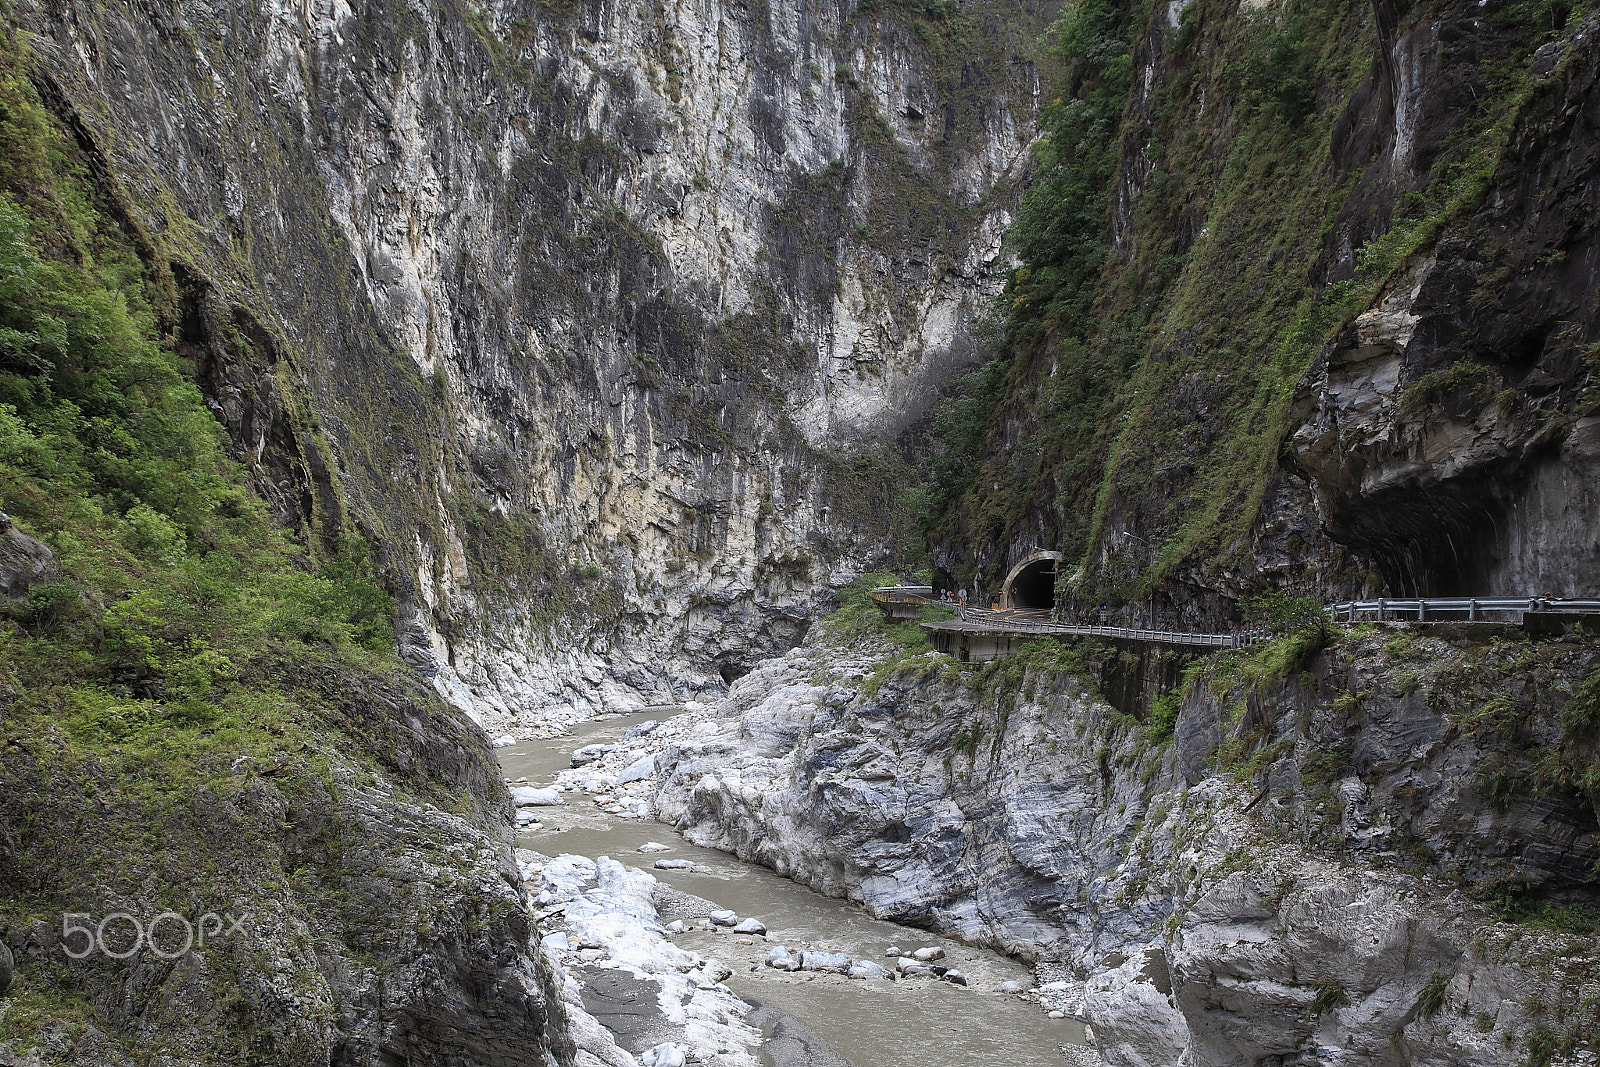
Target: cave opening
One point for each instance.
(1034, 587)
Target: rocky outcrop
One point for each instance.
(349, 895)
(1295, 878)
(24, 561)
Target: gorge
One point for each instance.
(379, 380)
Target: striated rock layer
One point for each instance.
(1294, 879)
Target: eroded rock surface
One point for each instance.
(25, 561)
(1449, 430)
(1235, 897)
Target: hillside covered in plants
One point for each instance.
(1304, 299)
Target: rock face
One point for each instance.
(581, 312)
(379, 916)
(24, 561)
(1449, 430)
(1286, 879)
(1428, 425)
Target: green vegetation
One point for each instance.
(1268, 663)
(856, 616)
(186, 696)
(1431, 999)
(1541, 1047)
(1164, 716)
(1281, 614)
(170, 567)
(108, 453)
(1581, 720)
(1574, 762)
(857, 621)
(1509, 901)
(1155, 384)
(1046, 311)
(1470, 385)
(1330, 996)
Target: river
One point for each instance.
(909, 1023)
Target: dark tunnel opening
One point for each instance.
(1034, 587)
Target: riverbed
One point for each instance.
(917, 1022)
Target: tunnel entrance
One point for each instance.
(1034, 586)
(1031, 585)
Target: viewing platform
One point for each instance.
(902, 601)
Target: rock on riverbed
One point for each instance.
(644, 996)
(526, 796)
(590, 753)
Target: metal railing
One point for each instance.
(1420, 609)
(975, 621)
(903, 594)
(1473, 608)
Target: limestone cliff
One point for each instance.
(598, 320)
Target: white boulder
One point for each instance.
(637, 771)
(834, 962)
(526, 796)
(666, 1054)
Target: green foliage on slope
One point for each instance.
(108, 453)
(183, 651)
(1180, 274)
(1046, 313)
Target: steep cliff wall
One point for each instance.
(1449, 429)
(598, 321)
(234, 827)
(1322, 316)
(1381, 852)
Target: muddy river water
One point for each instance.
(875, 1023)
